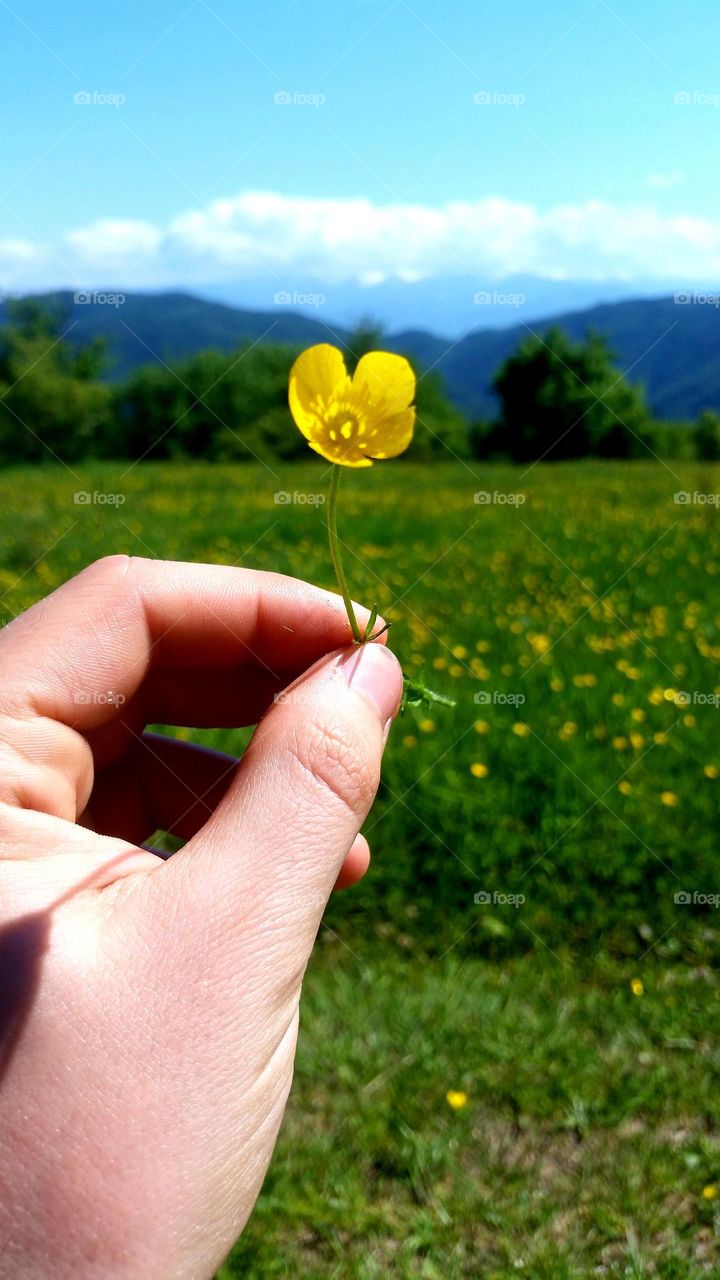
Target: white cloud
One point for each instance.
(263, 234)
(110, 239)
(18, 251)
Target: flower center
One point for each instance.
(344, 424)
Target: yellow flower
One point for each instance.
(479, 770)
(427, 726)
(710, 771)
(539, 643)
(482, 726)
(637, 987)
(710, 1191)
(522, 730)
(456, 1099)
(353, 421)
(624, 787)
(670, 799)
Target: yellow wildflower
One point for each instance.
(456, 1099)
(670, 799)
(522, 730)
(637, 987)
(353, 421)
(479, 770)
(710, 1191)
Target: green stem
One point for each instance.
(335, 553)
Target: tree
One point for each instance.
(51, 402)
(707, 436)
(368, 335)
(564, 399)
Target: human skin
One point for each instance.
(149, 1007)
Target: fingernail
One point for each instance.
(374, 670)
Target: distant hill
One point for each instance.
(151, 327)
(673, 349)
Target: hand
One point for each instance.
(149, 1008)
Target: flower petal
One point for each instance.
(340, 454)
(384, 382)
(316, 376)
(391, 436)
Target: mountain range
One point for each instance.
(670, 345)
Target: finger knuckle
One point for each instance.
(109, 570)
(338, 760)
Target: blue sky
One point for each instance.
(577, 161)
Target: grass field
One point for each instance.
(538, 930)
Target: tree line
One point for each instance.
(557, 399)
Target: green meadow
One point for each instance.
(538, 931)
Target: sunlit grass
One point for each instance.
(556, 811)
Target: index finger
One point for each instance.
(100, 634)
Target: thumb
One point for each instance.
(267, 859)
